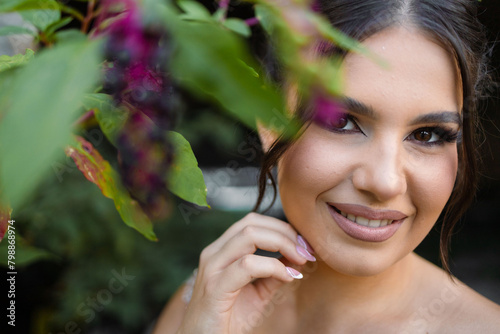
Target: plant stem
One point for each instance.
(223, 6)
(72, 12)
(88, 18)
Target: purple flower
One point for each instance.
(328, 111)
(136, 77)
(315, 6)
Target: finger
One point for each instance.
(252, 237)
(251, 267)
(252, 219)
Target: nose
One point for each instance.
(380, 172)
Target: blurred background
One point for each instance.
(87, 246)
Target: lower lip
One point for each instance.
(365, 233)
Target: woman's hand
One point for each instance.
(234, 283)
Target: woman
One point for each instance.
(363, 188)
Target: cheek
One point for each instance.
(313, 165)
(301, 174)
(431, 184)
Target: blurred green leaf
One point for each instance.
(22, 5)
(8, 5)
(238, 26)
(41, 105)
(342, 40)
(264, 14)
(6, 87)
(41, 19)
(25, 254)
(69, 35)
(7, 62)
(185, 178)
(15, 30)
(53, 27)
(110, 118)
(71, 11)
(99, 171)
(217, 69)
(219, 14)
(194, 10)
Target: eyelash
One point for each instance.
(445, 135)
(349, 118)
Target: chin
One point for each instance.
(350, 260)
(364, 268)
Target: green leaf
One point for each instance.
(8, 5)
(238, 26)
(219, 70)
(265, 16)
(336, 36)
(6, 87)
(99, 171)
(25, 254)
(41, 19)
(16, 30)
(53, 27)
(69, 35)
(41, 105)
(111, 119)
(7, 62)
(22, 5)
(194, 10)
(71, 11)
(185, 178)
(219, 14)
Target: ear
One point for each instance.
(266, 136)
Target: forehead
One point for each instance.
(421, 75)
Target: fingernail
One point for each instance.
(303, 242)
(302, 251)
(294, 273)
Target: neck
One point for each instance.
(343, 298)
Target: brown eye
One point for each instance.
(340, 122)
(423, 135)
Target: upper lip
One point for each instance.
(364, 211)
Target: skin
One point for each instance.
(381, 163)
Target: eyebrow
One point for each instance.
(363, 109)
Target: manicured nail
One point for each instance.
(294, 273)
(305, 254)
(303, 242)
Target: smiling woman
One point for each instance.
(364, 184)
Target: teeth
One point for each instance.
(362, 221)
(365, 221)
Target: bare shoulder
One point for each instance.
(171, 317)
(450, 306)
(473, 313)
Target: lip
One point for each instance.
(365, 233)
(360, 210)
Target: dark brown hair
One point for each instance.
(453, 24)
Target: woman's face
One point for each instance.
(391, 159)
